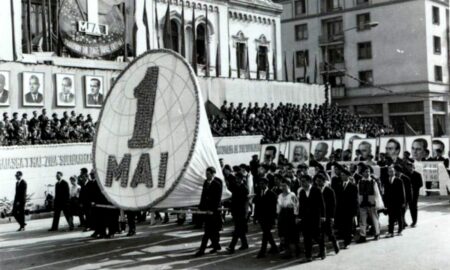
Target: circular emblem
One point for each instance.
(93, 37)
(147, 130)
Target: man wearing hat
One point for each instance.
(210, 202)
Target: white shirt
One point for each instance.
(287, 201)
(74, 191)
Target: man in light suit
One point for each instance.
(4, 94)
(66, 96)
(20, 200)
(34, 96)
(95, 97)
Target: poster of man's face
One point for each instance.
(338, 144)
(94, 91)
(4, 88)
(299, 152)
(270, 153)
(321, 150)
(33, 89)
(419, 147)
(393, 147)
(364, 149)
(440, 147)
(65, 90)
(349, 137)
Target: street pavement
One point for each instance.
(169, 246)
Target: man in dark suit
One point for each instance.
(95, 97)
(337, 186)
(350, 204)
(395, 199)
(66, 96)
(239, 208)
(4, 94)
(61, 202)
(416, 184)
(34, 97)
(20, 200)
(266, 202)
(407, 188)
(311, 214)
(329, 199)
(210, 202)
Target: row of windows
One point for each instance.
(300, 6)
(362, 24)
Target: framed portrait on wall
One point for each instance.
(65, 90)
(4, 88)
(33, 86)
(94, 91)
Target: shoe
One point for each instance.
(243, 247)
(70, 228)
(199, 253)
(230, 250)
(376, 237)
(214, 250)
(21, 229)
(309, 259)
(131, 233)
(361, 239)
(52, 230)
(336, 249)
(414, 224)
(323, 256)
(405, 225)
(260, 255)
(389, 235)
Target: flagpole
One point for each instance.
(286, 77)
(157, 25)
(167, 31)
(230, 70)
(207, 44)
(194, 42)
(125, 33)
(13, 29)
(293, 67)
(257, 64)
(147, 31)
(183, 35)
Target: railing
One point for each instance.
(333, 67)
(326, 39)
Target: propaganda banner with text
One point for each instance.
(238, 150)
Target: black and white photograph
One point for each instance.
(225, 134)
(33, 88)
(321, 150)
(299, 152)
(392, 147)
(65, 90)
(94, 91)
(419, 147)
(4, 88)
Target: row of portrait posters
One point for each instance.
(33, 88)
(298, 152)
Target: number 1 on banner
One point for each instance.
(145, 93)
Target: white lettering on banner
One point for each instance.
(44, 161)
(239, 149)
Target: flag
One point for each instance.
(286, 77)
(183, 34)
(13, 29)
(167, 31)
(218, 61)
(230, 70)
(157, 24)
(207, 44)
(147, 28)
(274, 64)
(315, 68)
(257, 64)
(194, 42)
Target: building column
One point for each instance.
(428, 114)
(386, 119)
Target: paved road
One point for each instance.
(171, 247)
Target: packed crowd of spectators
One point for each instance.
(41, 129)
(291, 122)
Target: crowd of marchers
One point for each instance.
(288, 122)
(42, 129)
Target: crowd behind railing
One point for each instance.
(42, 129)
(288, 122)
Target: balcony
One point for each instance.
(332, 39)
(331, 8)
(333, 68)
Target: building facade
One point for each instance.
(385, 59)
(81, 46)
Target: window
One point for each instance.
(406, 107)
(436, 19)
(439, 106)
(241, 50)
(438, 73)
(300, 7)
(362, 21)
(263, 59)
(333, 28)
(362, 2)
(331, 5)
(365, 78)
(404, 123)
(302, 58)
(301, 32)
(364, 50)
(369, 109)
(175, 34)
(201, 44)
(439, 125)
(335, 55)
(437, 45)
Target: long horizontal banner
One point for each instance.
(39, 164)
(237, 150)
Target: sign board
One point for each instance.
(237, 150)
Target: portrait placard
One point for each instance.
(270, 153)
(299, 152)
(4, 88)
(365, 148)
(65, 90)
(321, 150)
(33, 86)
(338, 144)
(419, 147)
(349, 137)
(440, 144)
(94, 91)
(393, 147)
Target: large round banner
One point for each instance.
(153, 141)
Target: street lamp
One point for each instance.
(371, 24)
